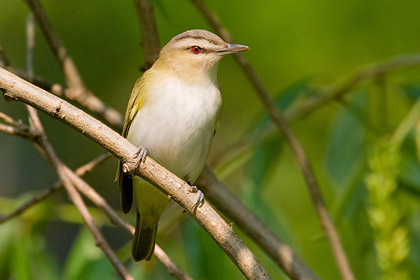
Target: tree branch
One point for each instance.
(298, 151)
(18, 89)
(147, 23)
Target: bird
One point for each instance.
(172, 115)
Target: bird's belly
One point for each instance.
(177, 136)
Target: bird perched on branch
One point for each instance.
(171, 116)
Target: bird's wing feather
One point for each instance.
(125, 180)
(134, 104)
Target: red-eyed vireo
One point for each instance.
(172, 114)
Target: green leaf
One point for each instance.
(346, 149)
(283, 100)
(20, 266)
(410, 165)
(411, 91)
(261, 169)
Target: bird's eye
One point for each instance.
(196, 49)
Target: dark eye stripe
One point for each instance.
(203, 50)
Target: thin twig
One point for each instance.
(297, 149)
(8, 129)
(17, 124)
(78, 90)
(30, 44)
(147, 23)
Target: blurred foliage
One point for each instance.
(298, 48)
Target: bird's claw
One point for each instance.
(141, 154)
(200, 196)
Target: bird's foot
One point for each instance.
(141, 154)
(200, 195)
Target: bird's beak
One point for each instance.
(233, 48)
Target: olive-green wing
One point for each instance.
(125, 180)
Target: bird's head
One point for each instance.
(196, 53)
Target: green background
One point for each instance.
(296, 47)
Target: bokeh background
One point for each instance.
(298, 48)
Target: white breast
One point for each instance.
(176, 125)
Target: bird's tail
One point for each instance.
(143, 243)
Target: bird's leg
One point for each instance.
(141, 154)
(200, 195)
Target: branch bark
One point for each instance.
(18, 89)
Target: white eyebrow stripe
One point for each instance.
(198, 37)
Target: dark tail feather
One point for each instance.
(144, 241)
(126, 188)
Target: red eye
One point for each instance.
(196, 49)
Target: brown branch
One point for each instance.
(8, 129)
(18, 89)
(147, 23)
(77, 90)
(298, 151)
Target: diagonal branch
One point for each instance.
(206, 216)
(147, 23)
(297, 149)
